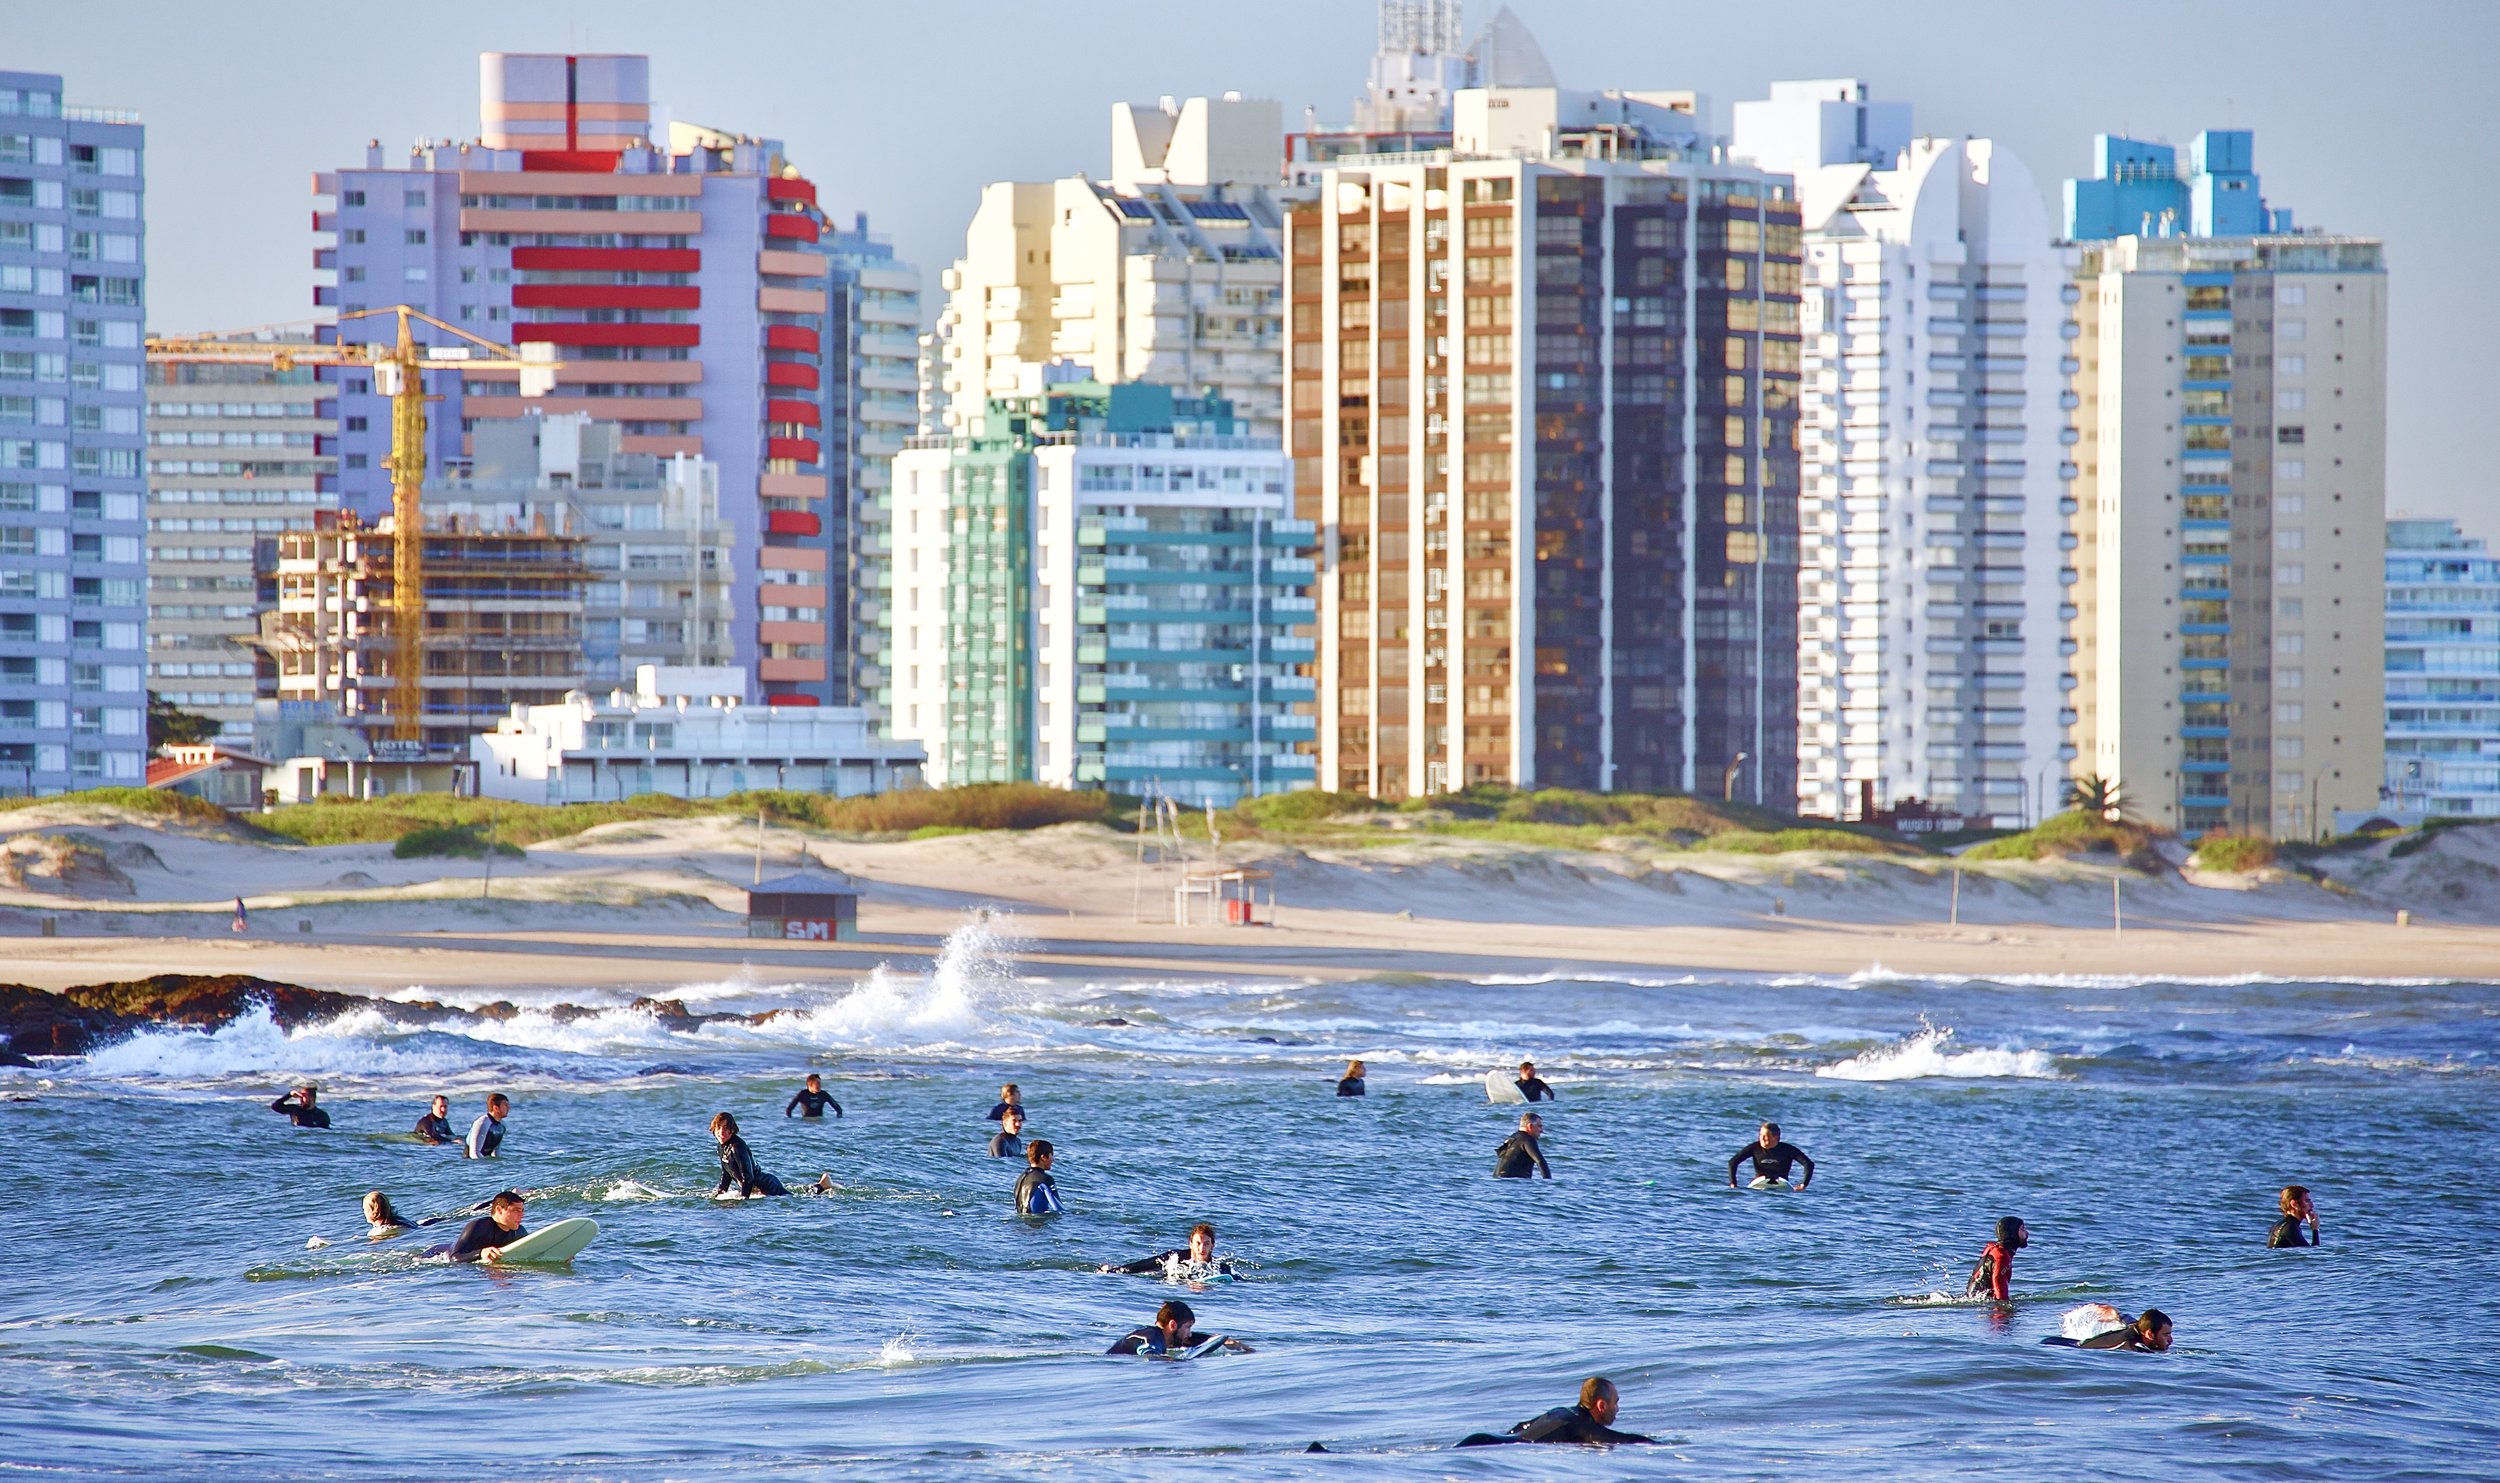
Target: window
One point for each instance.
(2290, 401)
(2288, 470)
(2291, 435)
(352, 198)
(2291, 329)
(414, 236)
(2287, 679)
(2287, 713)
(2291, 365)
(412, 198)
(2287, 539)
(2289, 576)
(2287, 643)
(2291, 293)
(2288, 607)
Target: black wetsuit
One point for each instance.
(1519, 1157)
(815, 1104)
(1350, 1086)
(1000, 1111)
(1006, 1145)
(737, 1166)
(479, 1234)
(305, 1117)
(1162, 1261)
(434, 1128)
(1770, 1163)
(1036, 1193)
(1566, 1424)
(1534, 1089)
(1143, 1339)
(2289, 1232)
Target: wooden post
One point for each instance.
(1957, 894)
(2117, 922)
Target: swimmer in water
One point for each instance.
(1771, 1158)
(1008, 1096)
(813, 1098)
(1521, 1155)
(1588, 1424)
(435, 1126)
(2298, 1210)
(486, 1134)
(1200, 1252)
(2147, 1333)
(1993, 1277)
(298, 1105)
(1173, 1333)
(1036, 1192)
(1008, 1141)
(381, 1221)
(1531, 1085)
(1351, 1084)
(737, 1164)
(483, 1239)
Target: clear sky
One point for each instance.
(2373, 120)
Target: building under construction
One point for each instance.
(502, 611)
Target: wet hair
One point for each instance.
(1354, 1068)
(439, 1097)
(1771, 1128)
(1010, 1092)
(1206, 1226)
(503, 1198)
(497, 1099)
(308, 1089)
(1526, 1118)
(1015, 1112)
(815, 1078)
(1527, 1065)
(2009, 1229)
(1174, 1312)
(1037, 1150)
(378, 1210)
(2294, 1196)
(1594, 1389)
(723, 1121)
(2151, 1321)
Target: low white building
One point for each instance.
(687, 733)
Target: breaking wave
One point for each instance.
(1930, 1053)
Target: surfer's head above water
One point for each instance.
(2152, 1329)
(1010, 1094)
(441, 1105)
(1770, 1135)
(1012, 1119)
(1600, 1399)
(1202, 1242)
(2295, 1202)
(378, 1210)
(1179, 1323)
(507, 1208)
(1353, 1069)
(2012, 1234)
(1038, 1154)
(498, 1104)
(724, 1126)
(1531, 1124)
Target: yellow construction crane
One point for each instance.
(399, 368)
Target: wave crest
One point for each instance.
(1930, 1053)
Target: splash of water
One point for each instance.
(1930, 1053)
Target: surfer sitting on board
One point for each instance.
(1036, 1192)
(813, 1098)
(1008, 1097)
(1993, 1278)
(1351, 1084)
(2147, 1333)
(1588, 1424)
(1771, 1159)
(1172, 1335)
(486, 1134)
(483, 1239)
(1200, 1252)
(1531, 1085)
(298, 1104)
(2298, 1209)
(737, 1164)
(1520, 1155)
(435, 1126)
(1008, 1141)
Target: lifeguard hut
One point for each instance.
(805, 906)
(1231, 897)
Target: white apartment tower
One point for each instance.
(1930, 627)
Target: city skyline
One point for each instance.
(229, 233)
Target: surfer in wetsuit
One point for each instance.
(1008, 1097)
(1200, 1252)
(1520, 1155)
(1036, 1192)
(1008, 1141)
(1588, 1424)
(2147, 1333)
(483, 1239)
(2298, 1210)
(1173, 1333)
(381, 1220)
(1531, 1085)
(1771, 1158)
(1351, 1084)
(435, 1126)
(1993, 1278)
(813, 1098)
(298, 1105)
(486, 1134)
(737, 1163)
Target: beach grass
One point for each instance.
(2073, 833)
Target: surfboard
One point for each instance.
(1501, 1086)
(1203, 1346)
(560, 1242)
(1779, 1185)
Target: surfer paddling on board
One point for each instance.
(1200, 1253)
(2147, 1333)
(1521, 1155)
(486, 1134)
(483, 1239)
(1036, 1192)
(1588, 1424)
(1993, 1278)
(381, 1221)
(1008, 1141)
(298, 1105)
(1351, 1084)
(1172, 1335)
(812, 1099)
(1008, 1096)
(1531, 1085)
(2298, 1210)
(435, 1126)
(1771, 1159)
(737, 1163)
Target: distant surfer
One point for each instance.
(1531, 1085)
(737, 1162)
(1993, 1277)
(2298, 1210)
(242, 920)
(1172, 1335)
(298, 1105)
(1351, 1084)
(1771, 1159)
(2147, 1333)
(1008, 1096)
(483, 1239)
(381, 1221)
(1199, 1253)
(1521, 1155)
(1008, 1141)
(435, 1126)
(812, 1099)
(1036, 1192)
(486, 1134)
(1588, 1424)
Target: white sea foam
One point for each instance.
(253, 1044)
(1930, 1053)
(897, 1351)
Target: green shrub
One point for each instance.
(2224, 851)
(467, 843)
(1787, 841)
(1310, 806)
(2075, 832)
(163, 802)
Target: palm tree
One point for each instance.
(2096, 795)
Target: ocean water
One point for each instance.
(162, 1316)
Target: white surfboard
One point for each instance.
(1774, 1185)
(1501, 1086)
(560, 1242)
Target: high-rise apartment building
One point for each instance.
(685, 286)
(872, 360)
(1544, 410)
(73, 281)
(234, 462)
(1100, 587)
(2230, 378)
(1931, 642)
(2443, 673)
